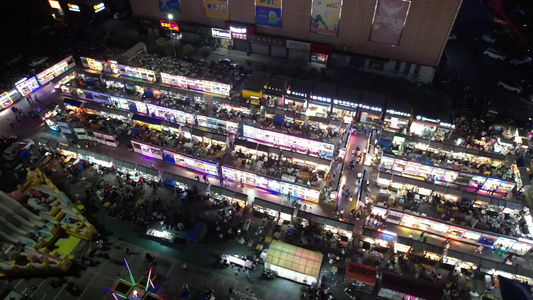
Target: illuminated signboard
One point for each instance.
(99, 7)
(169, 25)
(5, 100)
(220, 33)
(73, 7)
(54, 4)
(95, 65)
(27, 85)
(239, 33)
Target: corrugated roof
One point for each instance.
(294, 258)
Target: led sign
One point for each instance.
(54, 4)
(220, 33)
(424, 119)
(73, 7)
(5, 100)
(238, 30)
(322, 99)
(27, 85)
(398, 113)
(99, 7)
(169, 25)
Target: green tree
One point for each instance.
(187, 50)
(205, 52)
(161, 43)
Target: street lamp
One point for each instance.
(170, 17)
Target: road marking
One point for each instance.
(89, 285)
(59, 293)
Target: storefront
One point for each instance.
(321, 54)
(363, 275)
(222, 38)
(253, 86)
(271, 184)
(370, 108)
(99, 159)
(175, 182)
(148, 150)
(221, 194)
(56, 70)
(395, 286)
(444, 131)
(276, 88)
(299, 51)
(279, 213)
(396, 121)
(112, 67)
(27, 86)
(345, 105)
(191, 163)
(125, 169)
(321, 99)
(8, 98)
(293, 263)
(305, 146)
(147, 173)
(205, 86)
(379, 240)
(267, 45)
(240, 35)
(298, 94)
(424, 127)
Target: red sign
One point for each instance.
(169, 25)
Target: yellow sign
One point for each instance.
(54, 4)
(217, 9)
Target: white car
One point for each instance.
(38, 61)
(452, 37)
(510, 86)
(493, 53)
(12, 151)
(521, 60)
(488, 38)
(229, 62)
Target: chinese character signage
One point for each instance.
(27, 85)
(389, 20)
(171, 6)
(325, 16)
(268, 13)
(172, 26)
(217, 9)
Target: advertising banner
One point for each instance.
(268, 13)
(217, 9)
(325, 16)
(389, 20)
(171, 6)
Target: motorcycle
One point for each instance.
(268, 275)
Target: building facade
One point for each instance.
(395, 37)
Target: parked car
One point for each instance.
(510, 86)
(488, 38)
(452, 37)
(229, 62)
(120, 15)
(14, 60)
(493, 53)
(12, 151)
(38, 61)
(521, 60)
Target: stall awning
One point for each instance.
(411, 286)
(488, 264)
(455, 192)
(524, 272)
(419, 246)
(198, 132)
(251, 145)
(146, 119)
(219, 137)
(72, 102)
(361, 273)
(447, 147)
(119, 112)
(455, 254)
(497, 202)
(240, 196)
(506, 268)
(404, 240)
(440, 189)
(200, 185)
(398, 179)
(385, 176)
(471, 258)
(513, 205)
(319, 120)
(240, 142)
(62, 146)
(483, 198)
(287, 210)
(469, 196)
(147, 170)
(216, 189)
(228, 193)
(262, 148)
(274, 150)
(267, 204)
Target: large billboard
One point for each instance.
(268, 13)
(171, 6)
(389, 20)
(217, 9)
(325, 16)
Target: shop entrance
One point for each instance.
(319, 58)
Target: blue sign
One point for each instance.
(171, 6)
(268, 16)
